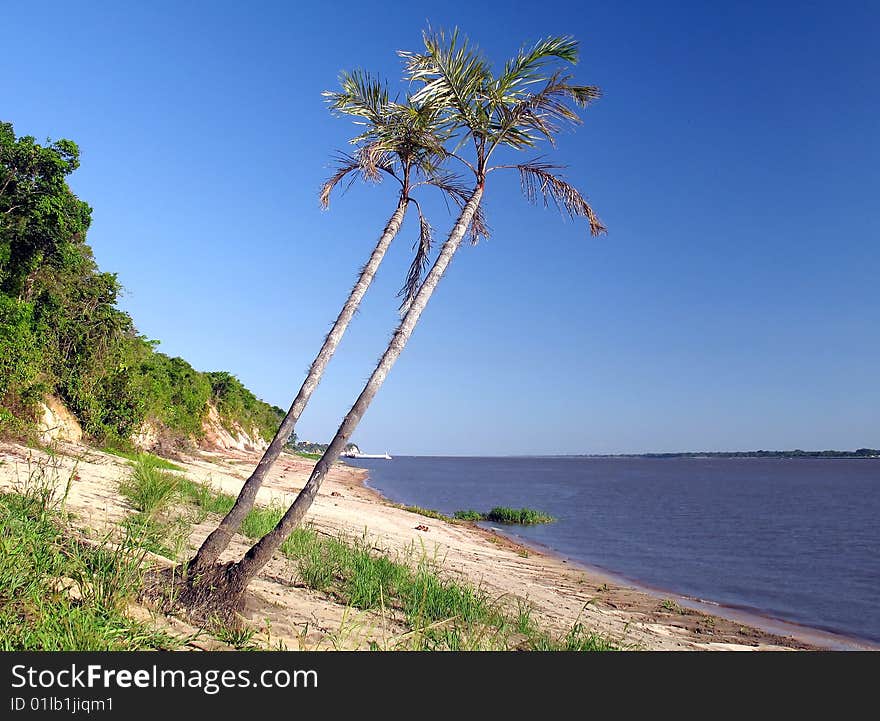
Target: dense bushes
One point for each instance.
(60, 329)
(235, 402)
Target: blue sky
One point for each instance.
(734, 157)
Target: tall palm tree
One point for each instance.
(403, 141)
(489, 113)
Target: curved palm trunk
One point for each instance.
(219, 538)
(240, 574)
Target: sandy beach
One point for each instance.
(285, 612)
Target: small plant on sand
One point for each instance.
(667, 604)
(241, 637)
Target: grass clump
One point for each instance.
(148, 487)
(502, 514)
(578, 638)
(522, 516)
(261, 520)
(667, 604)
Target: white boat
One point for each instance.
(379, 456)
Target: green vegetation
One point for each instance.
(307, 449)
(149, 488)
(427, 512)
(442, 613)
(502, 514)
(260, 520)
(236, 404)
(149, 458)
(469, 515)
(522, 516)
(205, 498)
(61, 332)
(61, 593)
(667, 604)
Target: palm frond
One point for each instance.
(372, 159)
(522, 123)
(527, 67)
(452, 72)
(367, 163)
(346, 166)
(361, 95)
(537, 179)
(422, 248)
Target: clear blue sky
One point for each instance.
(734, 303)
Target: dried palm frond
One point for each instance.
(536, 179)
(346, 166)
(422, 248)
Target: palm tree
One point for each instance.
(403, 141)
(490, 113)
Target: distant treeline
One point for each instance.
(860, 453)
(61, 333)
(315, 448)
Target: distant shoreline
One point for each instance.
(860, 454)
(697, 455)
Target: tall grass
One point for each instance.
(260, 520)
(523, 516)
(206, 498)
(503, 514)
(443, 613)
(60, 593)
(148, 487)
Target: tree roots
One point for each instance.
(212, 597)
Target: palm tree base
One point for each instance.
(212, 597)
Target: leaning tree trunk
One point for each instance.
(239, 575)
(219, 539)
